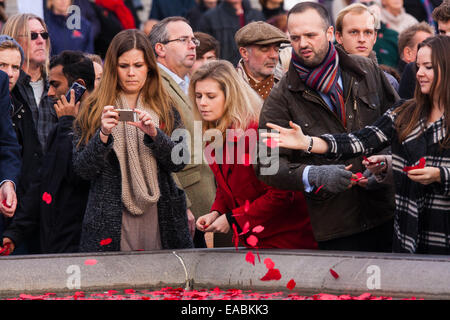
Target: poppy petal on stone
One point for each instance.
(334, 273)
(291, 284)
(90, 262)
(250, 258)
(272, 274)
(269, 263)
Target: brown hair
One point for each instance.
(357, 8)
(406, 37)
(442, 13)
(207, 43)
(153, 94)
(410, 113)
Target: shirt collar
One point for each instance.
(183, 83)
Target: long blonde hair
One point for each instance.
(17, 27)
(242, 103)
(153, 94)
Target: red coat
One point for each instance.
(283, 214)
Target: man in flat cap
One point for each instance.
(259, 45)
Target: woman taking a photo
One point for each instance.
(418, 132)
(278, 219)
(133, 199)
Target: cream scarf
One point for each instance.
(138, 167)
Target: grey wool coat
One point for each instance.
(98, 163)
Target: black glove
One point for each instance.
(333, 178)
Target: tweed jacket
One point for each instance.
(421, 222)
(367, 95)
(197, 180)
(98, 163)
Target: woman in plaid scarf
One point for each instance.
(418, 132)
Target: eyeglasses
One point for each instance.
(34, 35)
(185, 40)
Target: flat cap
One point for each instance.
(261, 33)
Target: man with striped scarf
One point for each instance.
(328, 91)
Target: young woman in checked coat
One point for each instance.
(415, 129)
(224, 101)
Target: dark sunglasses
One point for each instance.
(34, 35)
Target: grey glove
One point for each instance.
(333, 178)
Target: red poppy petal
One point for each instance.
(421, 165)
(272, 274)
(318, 189)
(90, 262)
(47, 198)
(5, 204)
(291, 284)
(129, 291)
(258, 229)
(252, 240)
(334, 273)
(246, 206)
(269, 263)
(250, 258)
(246, 227)
(359, 176)
(105, 242)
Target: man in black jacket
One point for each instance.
(56, 200)
(328, 91)
(224, 21)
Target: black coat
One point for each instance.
(97, 162)
(59, 220)
(222, 23)
(27, 137)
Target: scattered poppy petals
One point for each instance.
(129, 291)
(246, 206)
(258, 229)
(252, 240)
(105, 242)
(272, 274)
(334, 273)
(112, 292)
(269, 263)
(420, 165)
(271, 143)
(47, 198)
(90, 262)
(291, 284)
(250, 258)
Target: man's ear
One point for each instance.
(338, 37)
(81, 81)
(329, 33)
(160, 50)
(244, 53)
(406, 54)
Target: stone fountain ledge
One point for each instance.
(395, 275)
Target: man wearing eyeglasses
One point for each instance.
(174, 45)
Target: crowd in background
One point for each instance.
(76, 177)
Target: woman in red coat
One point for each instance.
(275, 218)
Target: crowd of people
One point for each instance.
(122, 135)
